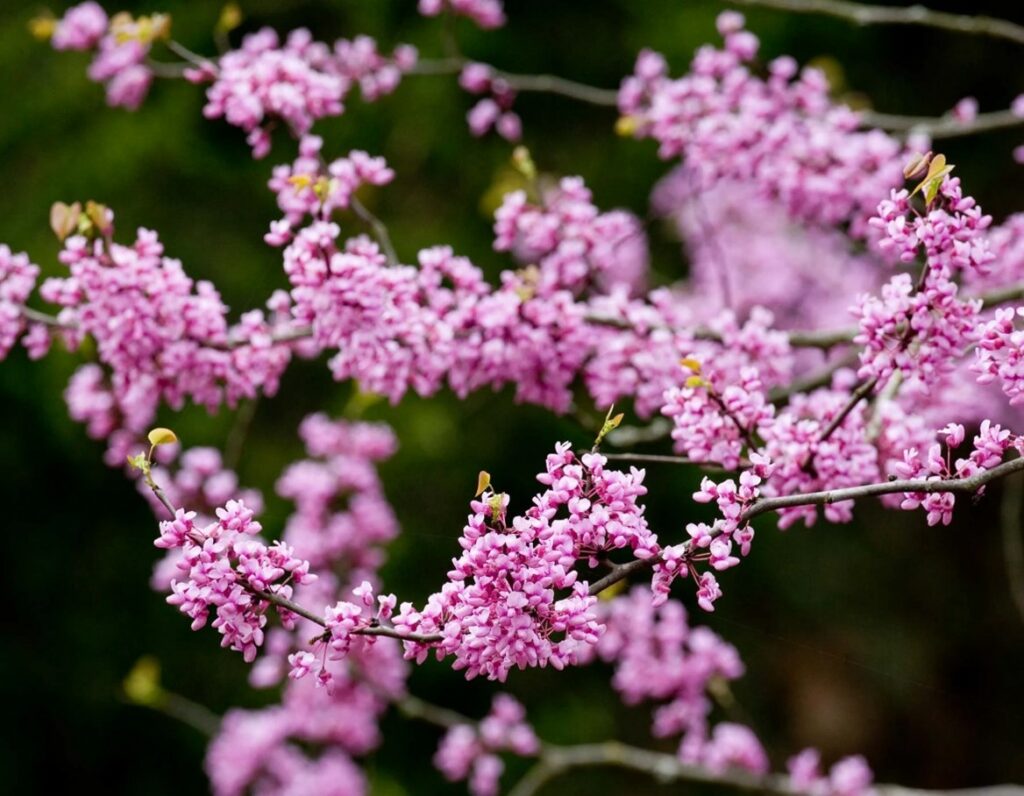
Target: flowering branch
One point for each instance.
(373, 630)
(968, 486)
(863, 14)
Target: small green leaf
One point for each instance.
(483, 481)
(140, 461)
(523, 162)
(142, 685)
(610, 424)
(230, 18)
(938, 169)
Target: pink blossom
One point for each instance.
(81, 27)
(487, 14)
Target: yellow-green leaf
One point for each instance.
(142, 685)
(161, 436)
(43, 26)
(230, 18)
(690, 364)
(626, 126)
(482, 482)
(523, 162)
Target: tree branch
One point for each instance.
(859, 394)
(863, 14)
(555, 761)
(380, 232)
(657, 458)
(540, 84)
(942, 126)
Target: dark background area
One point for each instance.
(883, 637)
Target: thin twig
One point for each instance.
(552, 84)
(415, 708)
(184, 52)
(943, 127)
(160, 494)
(36, 316)
(863, 14)
(658, 458)
(554, 761)
(163, 69)
(374, 630)
(858, 395)
(540, 84)
(380, 231)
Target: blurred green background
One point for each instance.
(883, 637)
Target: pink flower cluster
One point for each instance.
(268, 751)
(659, 657)
(161, 335)
(920, 329)
(345, 623)
(18, 277)
(717, 539)
(715, 426)
(307, 739)
(264, 82)
(488, 14)
(377, 75)
(805, 462)
(850, 776)
(197, 479)
(397, 328)
(744, 252)
(121, 45)
(990, 445)
(309, 187)
(341, 522)
(574, 245)
(781, 135)
(471, 752)
(638, 345)
(341, 514)
(514, 598)
(494, 110)
(1000, 353)
(222, 567)
(81, 27)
